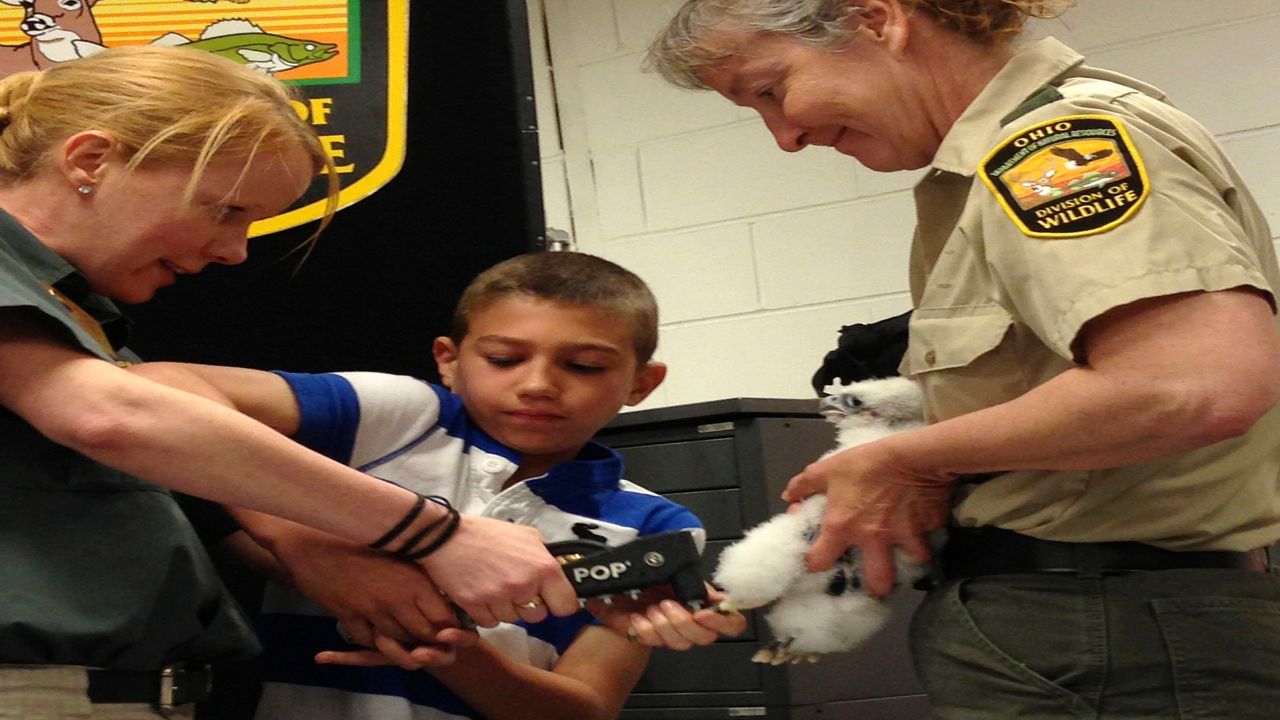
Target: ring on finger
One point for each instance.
(536, 602)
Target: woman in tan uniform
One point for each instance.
(1094, 323)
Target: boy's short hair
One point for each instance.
(572, 278)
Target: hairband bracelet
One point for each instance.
(408, 545)
(448, 531)
(455, 518)
(408, 519)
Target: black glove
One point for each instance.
(864, 351)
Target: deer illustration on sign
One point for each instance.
(59, 30)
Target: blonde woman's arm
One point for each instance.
(194, 445)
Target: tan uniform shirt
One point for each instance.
(1031, 223)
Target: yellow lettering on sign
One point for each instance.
(333, 146)
(320, 109)
(316, 111)
(313, 110)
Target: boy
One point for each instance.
(544, 351)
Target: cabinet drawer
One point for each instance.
(715, 712)
(711, 555)
(691, 465)
(719, 667)
(907, 707)
(719, 510)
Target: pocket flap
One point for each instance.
(956, 339)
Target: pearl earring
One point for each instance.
(85, 189)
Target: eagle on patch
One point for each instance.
(1068, 177)
(1076, 159)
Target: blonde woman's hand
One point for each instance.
(498, 571)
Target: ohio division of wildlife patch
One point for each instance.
(1068, 177)
(348, 58)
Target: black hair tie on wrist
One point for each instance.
(454, 518)
(408, 545)
(407, 520)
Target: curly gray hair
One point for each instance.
(680, 51)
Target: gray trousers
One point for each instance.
(1170, 645)
(57, 692)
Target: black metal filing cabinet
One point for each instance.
(727, 461)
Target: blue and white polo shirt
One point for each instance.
(419, 436)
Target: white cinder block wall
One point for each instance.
(758, 256)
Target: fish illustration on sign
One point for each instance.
(248, 44)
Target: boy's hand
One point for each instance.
(442, 651)
(498, 571)
(658, 621)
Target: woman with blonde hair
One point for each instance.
(120, 173)
(1094, 325)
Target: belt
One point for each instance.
(994, 551)
(165, 688)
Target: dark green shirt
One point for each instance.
(97, 567)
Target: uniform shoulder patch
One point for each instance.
(1069, 177)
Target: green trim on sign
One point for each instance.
(397, 97)
(354, 49)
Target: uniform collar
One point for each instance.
(595, 467)
(49, 268)
(968, 140)
(47, 265)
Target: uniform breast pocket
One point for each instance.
(963, 359)
(947, 338)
